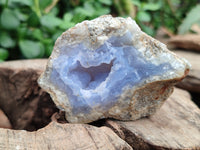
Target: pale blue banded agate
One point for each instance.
(95, 79)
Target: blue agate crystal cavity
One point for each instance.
(108, 67)
(97, 78)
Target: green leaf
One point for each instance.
(2, 2)
(191, 18)
(198, 22)
(31, 49)
(33, 20)
(102, 11)
(66, 25)
(143, 16)
(56, 35)
(48, 49)
(47, 41)
(89, 8)
(44, 3)
(68, 17)
(147, 30)
(6, 41)
(21, 16)
(50, 21)
(22, 31)
(82, 11)
(9, 19)
(3, 54)
(106, 2)
(48, 46)
(137, 3)
(151, 6)
(37, 34)
(78, 17)
(23, 2)
(54, 11)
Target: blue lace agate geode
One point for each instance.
(112, 69)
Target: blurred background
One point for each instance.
(29, 28)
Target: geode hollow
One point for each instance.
(109, 68)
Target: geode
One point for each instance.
(109, 68)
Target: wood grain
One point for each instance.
(25, 104)
(192, 81)
(63, 137)
(175, 126)
(188, 41)
(4, 122)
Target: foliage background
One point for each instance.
(29, 28)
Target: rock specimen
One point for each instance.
(108, 67)
(192, 81)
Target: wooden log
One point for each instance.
(25, 104)
(63, 137)
(4, 122)
(188, 41)
(175, 126)
(192, 81)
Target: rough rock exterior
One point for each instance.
(108, 67)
